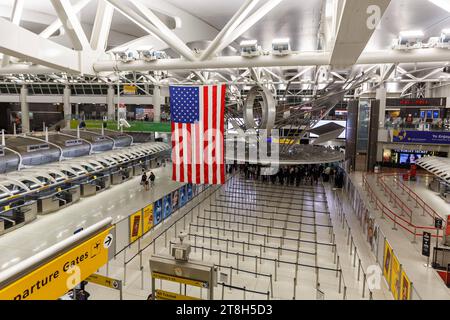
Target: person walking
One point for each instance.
(152, 179)
(144, 181)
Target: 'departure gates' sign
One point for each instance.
(63, 273)
(421, 137)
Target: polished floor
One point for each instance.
(117, 202)
(426, 282)
(256, 220)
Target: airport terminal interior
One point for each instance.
(225, 150)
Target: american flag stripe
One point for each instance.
(205, 130)
(197, 132)
(221, 141)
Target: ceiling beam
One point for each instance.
(16, 16)
(102, 25)
(72, 25)
(355, 30)
(52, 28)
(23, 44)
(181, 48)
(248, 23)
(232, 24)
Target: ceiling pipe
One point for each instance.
(292, 60)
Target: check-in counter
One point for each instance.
(121, 175)
(95, 185)
(139, 167)
(16, 215)
(59, 198)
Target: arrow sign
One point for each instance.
(108, 240)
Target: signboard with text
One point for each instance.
(421, 137)
(426, 244)
(62, 273)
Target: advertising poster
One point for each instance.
(405, 287)
(183, 196)
(387, 261)
(157, 212)
(167, 206)
(135, 226)
(148, 218)
(395, 277)
(189, 191)
(421, 137)
(175, 200)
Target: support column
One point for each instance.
(156, 104)
(67, 106)
(110, 101)
(381, 95)
(77, 111)
(24, 108)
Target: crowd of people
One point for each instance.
(294, 175)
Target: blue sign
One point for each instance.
(432, 137)
(167, 206)
(157, 212)
(183, 196)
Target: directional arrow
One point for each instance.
(108, 240)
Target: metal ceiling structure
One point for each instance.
(91, 45)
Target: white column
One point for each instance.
(24, 109)
(156, 104)
(77, 110)
(381, 95)
(67, 106)
(110, 101)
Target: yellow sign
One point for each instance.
(405, 287)
(395, 277)
(63, 273)
(148, 218)
(7, 208)
(104, 281)
(165, 295)
(135, 226)
(190, 282)
(387, 261)
(127, 89)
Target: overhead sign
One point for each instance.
(190, 282)
(165, 295)
(426, 244)
(129, 89)
(421, 102)
(421, 137)
(105, 281)
(60, 275)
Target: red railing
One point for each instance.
(414, 196)
(395, 199)
(397, 219)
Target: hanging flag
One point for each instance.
(197, 115)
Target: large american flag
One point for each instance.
(197, 114)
